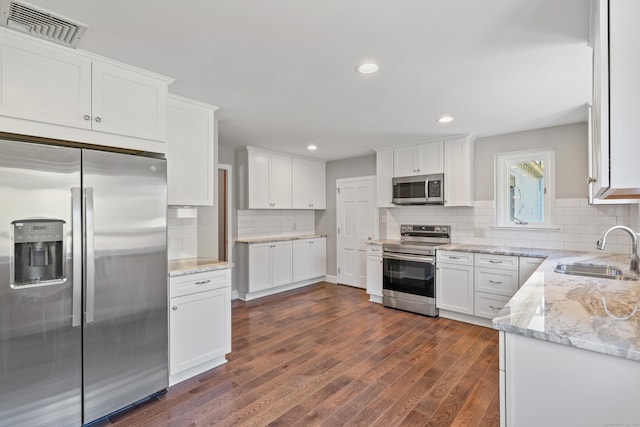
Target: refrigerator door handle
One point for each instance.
(76, 247)
(89, 251)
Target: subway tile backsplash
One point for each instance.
(182, 231)
(579, 225)
(275, 223)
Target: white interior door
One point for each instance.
(356, 219)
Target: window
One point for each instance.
(525, 188)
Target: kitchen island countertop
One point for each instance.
(179, 267)
(570, 310)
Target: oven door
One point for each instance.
(409, 274)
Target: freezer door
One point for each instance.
(125, 331)
(40, 350)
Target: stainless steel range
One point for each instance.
(409, 268)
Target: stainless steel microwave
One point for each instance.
(419, 190)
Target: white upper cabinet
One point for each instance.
(384, 174)
(458, 172)
(126, 102)
(54, 92)
(309, 189)
(614, 175)
(190, 152)
(44, 84)
(422, 159)
(270, 180)
(265, 180)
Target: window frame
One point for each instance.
(502, 193)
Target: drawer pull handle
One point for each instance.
(495, 262)
(495, 308)
(203, 282)
(454, 257)
(496, 282)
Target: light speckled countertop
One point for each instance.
(280, 238)
(179, 267)
(569, 310)
(499, 250)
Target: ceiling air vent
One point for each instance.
(41, 23)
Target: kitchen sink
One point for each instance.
(593, 270)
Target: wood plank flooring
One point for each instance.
(323, 355)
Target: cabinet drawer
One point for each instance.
(488, 305)
(501, 282)
(375, 250)
(199, 282)
(452, 257)
(503, 262)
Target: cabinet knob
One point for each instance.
(175, 307)
(87, 117)
(98, 119)
(591, 180)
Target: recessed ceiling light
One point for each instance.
(445, 119)
(367, 68)
(312, 147)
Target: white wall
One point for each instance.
(182, 233)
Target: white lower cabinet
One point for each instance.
(199, 323)
(479, 284)
(269, 265)
(273, 267)
(309, 258)
(549, 384)
(496, 281)
(454, 281)
(374, 273)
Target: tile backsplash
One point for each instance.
(579, 225)
(182, 230)
(275, 223)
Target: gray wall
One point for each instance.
(569, 142)
(326, 220)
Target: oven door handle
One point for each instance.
(429, 260)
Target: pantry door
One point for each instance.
(356, 219)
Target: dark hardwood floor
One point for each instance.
(323, 355)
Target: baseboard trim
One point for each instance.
(461, 317)
(248, 296)
(331, 279)
(234, 294)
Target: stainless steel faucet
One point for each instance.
(635, 261)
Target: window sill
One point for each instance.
(524, 227)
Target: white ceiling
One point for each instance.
(283, 71)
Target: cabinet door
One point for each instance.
(317, 185)
(259, 266)
(404, 161)
(528, 265)
(458, 172)
(190, 152)
(258, 182)
(128, 102)
(319, 256)
(374, 275)
(300, 183)
(384, 174)
(302, 259)
(430, 158)
(281, 268)
(45, 84)
(200, 328)
(454, 288)
(280, 183)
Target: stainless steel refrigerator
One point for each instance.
(83, 283)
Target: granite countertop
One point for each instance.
(180, 267)
(280, 238)
(499, 250)
(569, 310)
